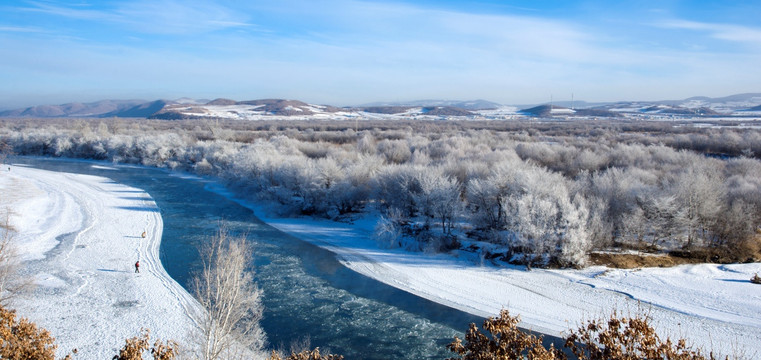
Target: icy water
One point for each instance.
(308, 294)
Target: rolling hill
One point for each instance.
(739, 105)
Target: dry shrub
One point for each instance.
(164, 351)
(618, 338)
(750, 249)
(134, 347)
(21, 339)
(622, 338)
(620, 261)
(507, 342)
(307, 355)
(631, 261)
(742, 250)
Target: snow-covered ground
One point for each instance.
(716, 307)
(79, 237)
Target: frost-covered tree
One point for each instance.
(617, 189)
(659, 212)
(439, 198)
(395, 187)
(231, 301)
(12, 284)
(367, 144)
(544, 218)
(485, 200)
(9, 262)
(700, 196)
(574, 236)
(635, 183)
(355, 188)
(395, 151)
(388, 229)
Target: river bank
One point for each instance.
(78, 238)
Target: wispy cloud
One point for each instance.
(150, 16)
(69, 12)
(735, 33)
(405, 30)
(179, 17)
(21, 29)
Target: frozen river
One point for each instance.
(307, 292)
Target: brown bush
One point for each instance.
(134, 347)
(21, 339)
(622, 338)
(507, 342)
(307, 355)
(618, 338)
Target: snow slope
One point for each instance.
(78, 237)
(714, 306)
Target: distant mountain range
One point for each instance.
(97, 108)
(739, 105)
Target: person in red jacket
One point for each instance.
(137, 266)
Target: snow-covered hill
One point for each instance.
(735, 106)
(273, 109)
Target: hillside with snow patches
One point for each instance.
(740, 106)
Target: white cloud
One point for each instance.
(528, 36)
(21, 29)
(62, 11)
(179, 17)
(735, 33)
(152, 16)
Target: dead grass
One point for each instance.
(750, 250)
(632, 261)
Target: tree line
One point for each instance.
(546, 193)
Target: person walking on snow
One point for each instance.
(137, 266)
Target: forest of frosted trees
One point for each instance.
(549, 193)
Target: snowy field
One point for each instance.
(80, 236)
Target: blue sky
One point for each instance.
(348, 52)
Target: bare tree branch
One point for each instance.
(11, 285)
(232, 301)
